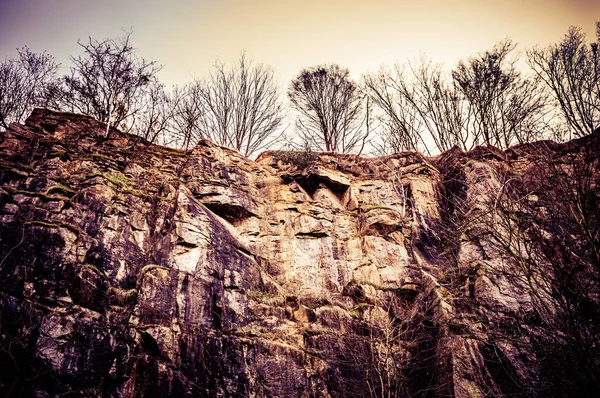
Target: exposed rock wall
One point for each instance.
(134, 270)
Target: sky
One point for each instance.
(188, 36)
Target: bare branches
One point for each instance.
(107, 80)
(25, 82)
(186, 115)
(507, 108)
(379, 355)
(237, 107)
(540, 229)
(419, 108)
(402, 126)
(487, 101)
(330, 106)
(571, 69)
(156, 116)
(443, 112)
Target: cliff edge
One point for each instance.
(136, 270)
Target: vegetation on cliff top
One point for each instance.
(485, 100)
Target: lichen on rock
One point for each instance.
(131, 269)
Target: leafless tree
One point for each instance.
(390, 351)
(541, 225)
(155, 120)
(571, 69)
(187, 113)
(383, 362)
(376, 357)
(554, 244)
(402, 126)
(486, 101)
(106, 81)
(25, 82)
(420, 108)
(237, 107)
(444, 113)
(507, 108)
(330, 107)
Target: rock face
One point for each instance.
(135, 270)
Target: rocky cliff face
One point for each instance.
(135, 270)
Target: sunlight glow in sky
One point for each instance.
(187, 36)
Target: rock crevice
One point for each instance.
(137, 270)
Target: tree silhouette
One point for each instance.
(506, 107)
(486, 101)
(237, 107)
(571, 69)
(329, 105)
(106, 81)
(155, 120)
(25, 82)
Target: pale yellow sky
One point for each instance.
(186, 36)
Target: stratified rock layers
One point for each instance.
(135, 270)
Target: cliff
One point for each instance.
(135, 270)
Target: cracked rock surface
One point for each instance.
(133, 270)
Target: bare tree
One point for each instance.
(237, 107)
(388, 350)
(330, 107)
(25, 82)
(571, 69)
(419, 108)
(486, 101)
(375, 358)
(155, 120)
(507, 108)
(443, 112)
(187, 113)
(106, 81)
(554, 246)
(400, 120)
(540, 224)
(382, 357)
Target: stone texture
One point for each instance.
(136, 270)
